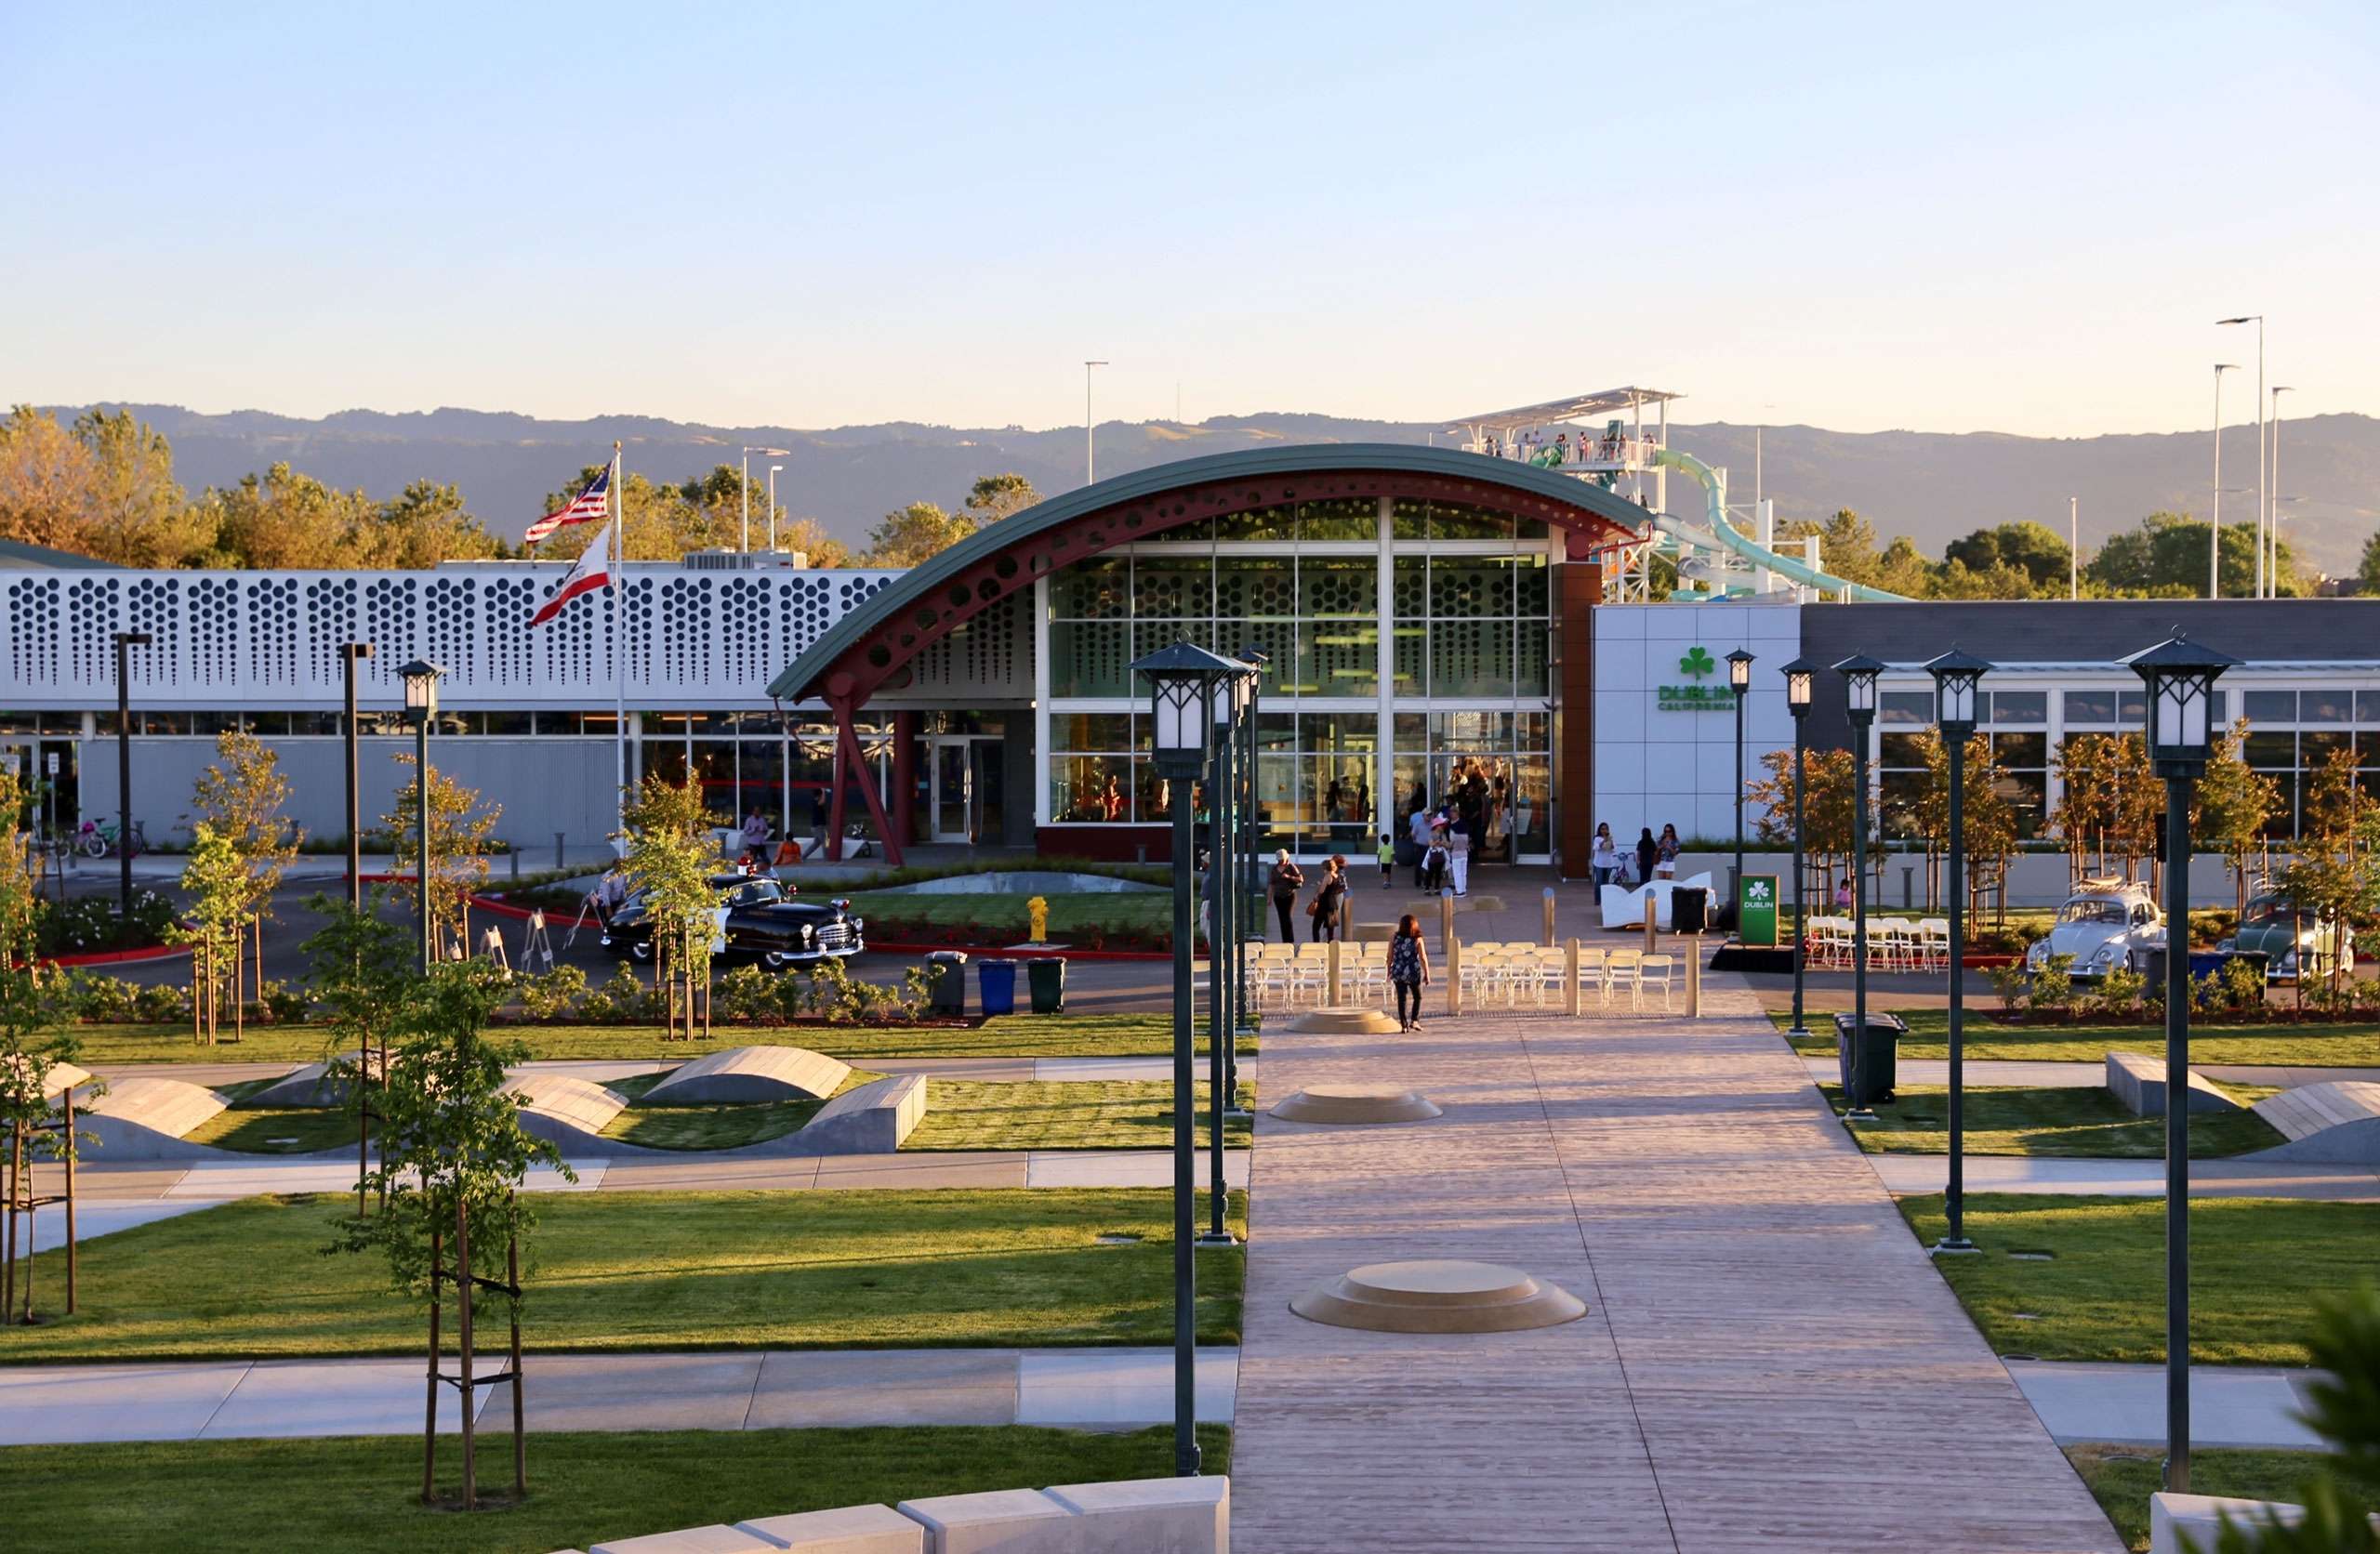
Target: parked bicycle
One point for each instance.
(98, 840)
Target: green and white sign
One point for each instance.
(1696, 665)
(1756, 910)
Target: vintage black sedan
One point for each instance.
(765, 922)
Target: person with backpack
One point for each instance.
(1409, 971)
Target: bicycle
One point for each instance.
(98, 840)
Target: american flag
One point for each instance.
(592, 503)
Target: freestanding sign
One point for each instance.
(1756, 910)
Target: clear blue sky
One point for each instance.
(2022, 217)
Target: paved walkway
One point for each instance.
(2231, 1405)
(1905, 1174)
(1769, 1362)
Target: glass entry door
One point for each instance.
(952, 801)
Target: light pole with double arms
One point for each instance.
(420, 678)
(1183, 681)
(1956, 674)
(1860, 673)
(1798, 676)
(2180, 675)
(1738, 680)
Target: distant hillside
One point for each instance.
(1931, 486)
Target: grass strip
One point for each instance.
(2312, 1044)
(869, 1268)
(708, 1126)
(2050, 1120)
(2124, 1477)
(2084, 1278)
(360, 1493)
(276, 1130)
(1074, 1114)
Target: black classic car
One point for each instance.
(764, 923)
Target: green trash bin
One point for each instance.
(1870, 1068)
(1047, 977)
(947, 982)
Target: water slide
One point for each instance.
(1722, 535)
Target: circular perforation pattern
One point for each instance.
(270, 617)
(33, 630)
(330, 620)
(154, 605)
(91, 607)
(450, 611)
(686, 630)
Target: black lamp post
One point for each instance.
(1183, 681)
(350, 653)
(1230, 701)
(1798, 676)
(123, 768)
(1956, 676)
(1256, 659)
(1738, 680)
(2180, 677)
(1860, 673)
(421, 710)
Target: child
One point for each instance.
(1434, 864)
(1387, 861)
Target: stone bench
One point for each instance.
(2333, 1124)
(2137, 1081)
(145, 1119)
(742, 1075)
(570, 1113)
(1132, 1516)
(873, 1119)
(2198, 1519)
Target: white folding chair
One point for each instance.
(1620, 969)
(1655, 972)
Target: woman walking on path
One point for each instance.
(1409, 971)
(1329, 897)
(1646, 849)
(1283, 885)
(1605, 859)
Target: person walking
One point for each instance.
(1605, 859)
(1330, 897)
(1459, 853)
(1409, 971)
(1283, 885)
(1665, 854)
(1417, 829)
(818, 820)
(1387, 861)
(756, 842)
(1647, 850)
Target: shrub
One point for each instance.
(160, 1002)
(555, 995)
(831, 995)
(281, 1004)
(2052, 985)
(748, 995)
(2011, 982)
(2239, 985)
(623, 1000)
(2119, 990)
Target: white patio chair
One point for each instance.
(1620, 969)
(1655, 972)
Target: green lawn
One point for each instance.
(672, 1271)
(1022, 1035)
(294, 1130)
(659, 1126)
(1092, 1114)
(2050, 1120)
(2310, 1044)
(2258, 1267)
(2124, 1477)
(359, 1494)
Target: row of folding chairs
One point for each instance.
(1894, 943)
(1290, 976)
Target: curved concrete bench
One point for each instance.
(742, 1075)
(61, 1079)
(571, 1112)
(310, 1085)
(146, 1118)
(1131, 1516)
(2335, 1123)
(873, 1119)
(2137, 1081)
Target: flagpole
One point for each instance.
(619, 642)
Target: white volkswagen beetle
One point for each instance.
(2100, 925)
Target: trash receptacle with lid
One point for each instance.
(1047, 976)
(1869, 1069)
(1690, 909)
(995, 985)
(947, 981)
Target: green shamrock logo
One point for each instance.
(1697, 664)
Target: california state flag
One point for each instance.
(593, 572)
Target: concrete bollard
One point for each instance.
(1652, 928)
(1549, 917)
(1454, 975)
(1570, 976)
(1332, 954)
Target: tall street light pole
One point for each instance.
(1256, 659)
(2215, 528)
(421, 710)
(2074, 547)
(1738, 680)
(2180, 675)
(1223, 932)
(2263, 505)
(1797, 702)
(350, 654)
(773, 506)
(1860, 673)
(742, 490)
(1183, 680)
(1090, 459)
(1956, 674)
(124, 639)
(2272, 573)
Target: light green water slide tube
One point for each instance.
(1722, 534)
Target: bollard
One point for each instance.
(1908, 890)
(1694, 978)
(558, 863)
(1571, 974)
(1652, 926)
(1332, 954)
(1549, 917)
(515, 853)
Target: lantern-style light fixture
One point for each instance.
(1956, 674)
(1860, 673)
(1232, 693)
(421, 678)
(2180, 675)
(1739, 671)
(1182, 681)
(1798, 676)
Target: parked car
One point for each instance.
(2100, 925)
(2291, 937)
(765, 922)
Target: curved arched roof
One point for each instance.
(876, 639)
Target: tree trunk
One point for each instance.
(466, 1294)
(429, 1420)
(520, 1426)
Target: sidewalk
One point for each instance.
(2035, 1074)
(2231, 1405)
(1906, 1174)
(1099, 1389)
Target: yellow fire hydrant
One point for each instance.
(1037, 911)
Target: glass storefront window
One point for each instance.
(2012, 706)
(1091, 730)
(2268, 706)
(2326, 706)
(1093, 591)
(1091, 787)
(2090, 706)
(1090, 658)
(1906, 707)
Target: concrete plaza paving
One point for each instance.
(1903, 1175)
(2031, 1073)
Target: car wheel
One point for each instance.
(641, 949)
(772, 960)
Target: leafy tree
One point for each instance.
(994, 498)
(2111, 802)
(1847, 544)
(423, 525)
(365, 966)
(283, 518)
(1827, 820)
(2032, 548)
(459, 833)
(1902, 569)
(2236, 803)
(2335, 871)
(916, 534)
(2342, 1406)
(809, 536)
(667, 855)
(45, 480)
(220, 890)
(2165, 556)
(134, 512)
(1956, 579)
(2367, 570)
(33, 1038)
(1990, 819)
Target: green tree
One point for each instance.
(33, 1038)
(45, 480)
(220, 890)
(2236, 803)
(2342, 1406)
(135, 513)
(283, 518)
(810, 537)
(667, 854)
(421, 526)
(2367, 569)
(994, 498)
(1826, 839)
(459, 836)
(1847, 544)
(2032, 548)
(364, 964)
(2165, 556)
(2335, 870)
(916, 534)
(1956, 579)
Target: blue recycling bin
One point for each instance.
(996, 981)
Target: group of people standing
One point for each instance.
(1652, 857)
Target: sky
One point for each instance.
(2018, 218)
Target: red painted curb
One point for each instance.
(118, 958)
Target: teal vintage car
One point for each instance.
(2292, 939)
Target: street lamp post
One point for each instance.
(2214, 525)
(124, 768)
(773, 506)
(1797, 701)
(1223, 931)
(2180, 677)
(1860, 673)
(1738, 680)
(2272, 573)
(350, 653)
(421, 710)
(2263, 506)
(1956, 676)
(1256, 659)
(1183, 680)
(1090, 460)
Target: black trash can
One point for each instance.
(1047, 976)
(1689, 909)
(995, 984)
(1869, 1069)
(947, 981)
